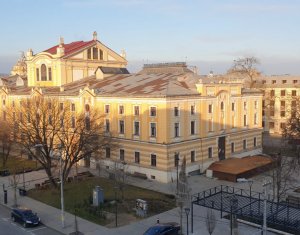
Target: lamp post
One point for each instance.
(62, 204)
(187, 211)
(177, 165)
(116, 206)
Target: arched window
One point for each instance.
(87, 108)
(101, 54)
(222, 106)
(43, 72)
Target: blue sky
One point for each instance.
(208, 34)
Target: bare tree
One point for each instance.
(6, 140)
(14, 181)
(210, 221)
(49, 127)
(119, 176)
(245, 68)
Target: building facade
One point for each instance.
(280, 98)
(158, 116)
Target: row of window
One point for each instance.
(95, 54)
(282, 81)
(283, 93)
(233, 106)
(153, 157)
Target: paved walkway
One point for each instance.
(52, 216)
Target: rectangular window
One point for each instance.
(153, 111)
(176, 129)
(122, 154)
(255, 104)
(89, 53)
(49, 74)
(107, 125)
(282, 125)
(255, 119)
(107, 152)
(106, 108)
(73, 122)
(61, 122)
(210, 108)
(232, 106)
(192, 127)
(282, 113)
(283, 81)
(254, 142)
(272, 93)
(137, 157)
(153, 160)
(37, 74)
(101, 54)
(245, 105)
(193, 156)
(282, 104)
(176, 159)
(271, 125)
(153, 129)
(192, 109)
(176, 111)
(282, 92)
(210, 152)
(121, 109)
(294, 93)
(263, 81)
(273, 81)
(61, 106)
(295, 81)
(136, 128)
(136, 110)
(121, 127)
(244, 144)
(232, 147)
(245, 120)
(95, 53)
(73, 107)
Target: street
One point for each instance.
(8, 227)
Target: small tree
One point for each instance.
(6, 140)
(210, 221)
(14, 181)
(119, 176)
(245, 68)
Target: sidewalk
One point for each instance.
(51, 216)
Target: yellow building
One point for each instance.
(162, 113)
(280, 93)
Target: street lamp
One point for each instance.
(177, 165)
(187, 211)
(116, 206)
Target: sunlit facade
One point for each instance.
(163, 113)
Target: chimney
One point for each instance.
(29, 54)
(60, 50)
(123, 54)
(95, 36)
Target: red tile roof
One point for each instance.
(71, 47)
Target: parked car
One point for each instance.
(164, 229)
(25, 216)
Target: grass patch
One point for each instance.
(79, 195)
(18, 164)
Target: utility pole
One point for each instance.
(265, 185)
(62, 192)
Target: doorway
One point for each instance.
(221, 148)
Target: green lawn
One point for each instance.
(17, 163)
(79, 195)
